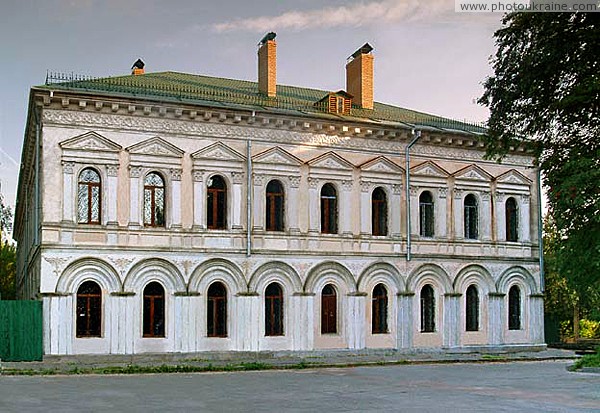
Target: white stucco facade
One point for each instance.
(125, 139)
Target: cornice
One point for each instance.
(272, 128)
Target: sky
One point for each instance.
(427, 57)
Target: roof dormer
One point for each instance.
(338, 102)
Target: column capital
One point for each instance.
(112, 170)
(365, 186)
(198, 175)
(68, 167)
(442, 192)
(347, 185)
(397, 189)
(313, 183)
(294, 181)
(258, 179)
(175, 174)
(237, 177)
(135, 171)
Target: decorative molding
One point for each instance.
(442, 192)
(313, 183)
(198, 175)
(500, 196)
(122, 263)
(413, 190)
(68, 167)
(365, 186)
(238, 177)
(397, 189)
(276, 155)
(330, 160)
(58, 264)
(112, 170)
(224, 130)
(429, 168)
(156, 146)
(485, 196)
(135, 171)
(175, 174)
(381, 164)
(258, 179)
(90, 141)
(123, 294)
(294, 181)
(525, 199)
(347, 185)
(220, 152)
(473, 173)
(458, 193)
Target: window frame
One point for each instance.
(153, 212)
(87, 298)
(511, 214)
(379, 213)
(216, 311)
(329, 209)
(274, 209)
(428, 309)
(90, 186)
(472, 311)
(515, 308)
(274, 320)
(471, 217)
(329, 311)
(426, 215)
(213, 206)
(380, 310)
(152, 323)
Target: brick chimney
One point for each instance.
(267, 65)
(138, 67)
(359, 77)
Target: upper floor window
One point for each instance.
(512, 223)
(89, 310)
(379, 308)
(426, 214)
(154, 310)
(216, 203)
(427, 309)
(274, 213)
(514, 308)
(216, 312)
(154, 200)
(89, 197)
(472, 309)
(328, 310)
(274, 310)
(328, 209)
(471, 217)
(379, 212)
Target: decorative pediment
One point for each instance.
(330, 160)
(218, 151)
(156, 146)
(473, 173)
(276, 155)
(90, 141)
(429, 168)
(381, 164)
(513, 177)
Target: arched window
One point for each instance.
(379, 309)
(426, 214)
(275, 209)
(471, 217)
(328, 210)
(216, 203)
(89, 310)
(427, 309)
(274, 310)
(328, 310)
(216, 311)
(514, 308)
(472, 309)
(154, 310)
(512, 221)
(154, 200)
(89, 196)
(379, 212)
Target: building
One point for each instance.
(171, 212)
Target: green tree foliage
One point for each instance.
(545, 91)
(8, 271)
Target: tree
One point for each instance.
(8, 254)
(545, 93)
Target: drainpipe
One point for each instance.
(37, 178)
(249, 195)
(540, 231)
(416, 135)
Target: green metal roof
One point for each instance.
(216, 91)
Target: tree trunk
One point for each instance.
(576, 322)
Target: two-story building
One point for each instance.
(173, 212)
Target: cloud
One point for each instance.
(356, 15)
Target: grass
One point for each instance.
(588, 360)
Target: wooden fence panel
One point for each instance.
(21, 328)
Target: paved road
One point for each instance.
(516, 386)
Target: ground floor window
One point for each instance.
(472, 309)
(328, 310)
(379, 307)
(427, 309)
(89, 310)
(216, 312)
(274, 310)
(154, 310)
(514, 308)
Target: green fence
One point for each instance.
(21, 337)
